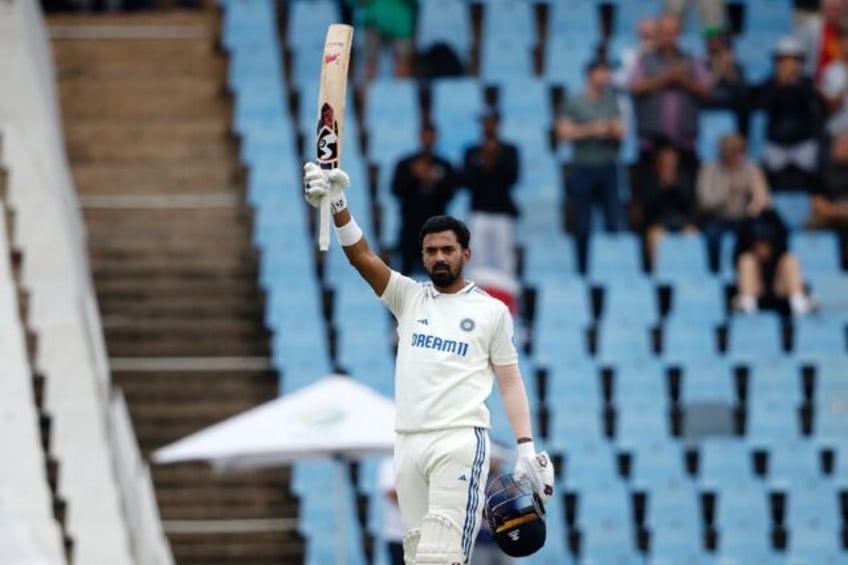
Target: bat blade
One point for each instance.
(331, 112)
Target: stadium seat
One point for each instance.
(712, 125)
(775, 378)
(681, 256)
(609, 541)
(639, 381)
(697, 300)
(512, 21)
(708, 380)
(601, 503)
(566, 60)
(614, 256)
(817, 335)
(794, 207)
(575, 18)
(445, 21)
(817, 251)
(628, 14)
(829, 292)
(576, 380)
(307, 23)
(630, 299)
(793, 462)
(622, 341)
(520, 98)
(813, 516)
(640, 422)
(772, 419)
(456, 107)
(574, 421)
(685, 339)
(754, 336)
(722, 461)
(390, 101)
(590, 467)
(548, 261)
(655, 463)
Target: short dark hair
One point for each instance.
(436, 224)
(596, 63)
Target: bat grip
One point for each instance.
(324, 224)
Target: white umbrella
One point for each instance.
(335, 418)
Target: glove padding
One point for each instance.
(537, 467)
(318, 183)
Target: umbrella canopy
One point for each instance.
(334, 417)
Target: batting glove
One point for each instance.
(318, 183)
(537, 467)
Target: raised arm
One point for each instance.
(319, 183)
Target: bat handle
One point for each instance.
(324, 224)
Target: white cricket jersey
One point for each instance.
(447, 346)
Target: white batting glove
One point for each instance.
(537, 467)
(318, 183)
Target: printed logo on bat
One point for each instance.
(331, 58)
(328, 137)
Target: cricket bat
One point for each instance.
(331, 111)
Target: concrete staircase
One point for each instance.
(146, 117)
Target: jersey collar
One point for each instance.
(434, 293)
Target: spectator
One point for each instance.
(629, 56)
(424, 184)
(388, 22)
(668, 87)
(669, 198)
(710, 12)
(490, 173)
(830, 200)
(766, 273)
(793, 114)
(834, 87)
(819, 37)
(728, 191)
(592, 122)
(730, 90)
(392, 524)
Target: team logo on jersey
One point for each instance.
(467, 324)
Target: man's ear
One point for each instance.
(466, 254)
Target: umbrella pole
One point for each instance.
(341, 515)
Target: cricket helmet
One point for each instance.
(516, 516)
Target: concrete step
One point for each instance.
(177, 98)
(177, 309)
(106, 132)
(172, 257)
(154, 386)
(264, 548)
(120, 344)
(170, 476)
(195, 176)
(224, 221)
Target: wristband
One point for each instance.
(349, 233)
(526, 450)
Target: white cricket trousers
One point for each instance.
(493, 242)
(443, 472)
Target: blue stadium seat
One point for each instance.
(525, 99)
(754, 336)
(775, 378)
(793, 206)
(677, 539)
(614, 256)
(772, 419)
(757, 134)
(713, 124)
(547, 263)
(554, 344)
(655, 463)
(640, 381)
(817, 251)
(512, 21)
(829, 292)
(708, 380)
(445, 21)
(753, 51)
(640, 422)
(390, 101)
(722, 461)
(686, 339)
(623, 340)
(609, 541)
(697, 300)
(819, 334)
(769, 16)
(589, 465)
(308, 21)
(813, 517)
(602, 502)
(575, 424)
(681, 256)
(793, 462)
(830, 418)
(575, 380)
(630, 299)
(566, 59)
(570, 18)
(627, 15)
(456, 107)
(743, 522)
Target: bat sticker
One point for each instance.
(328, 140)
